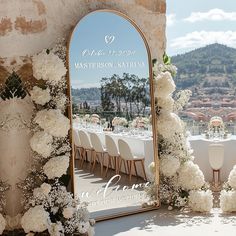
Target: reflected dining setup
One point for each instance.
(122, 152)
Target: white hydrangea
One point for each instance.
(83, 227)
(60, 101)
(42, 191)
(68, 212)
(168, 124)
(41, 142)
(169, 165)
(48, 67)
(190, 176)
(166, 103)
(40, 96)
(227, 201)
(56, 167)
(164, 85)
(2, 224)
(232, 178)
(36, 219)
(53, 122)
(56, 229)
(201, 201)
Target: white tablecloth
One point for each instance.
(140, 146)
(200, 147)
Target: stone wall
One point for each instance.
(28, 26)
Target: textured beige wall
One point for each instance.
(28, 26)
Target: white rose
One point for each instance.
(56, 167)
(41, 143)
(36, 219)
(40, 96)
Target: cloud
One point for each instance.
(170, 19)
(212, 15)
(198, 39)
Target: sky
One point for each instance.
(108, 33)
(196, 23)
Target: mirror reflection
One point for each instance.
(112, 124)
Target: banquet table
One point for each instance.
(140, 145)
(200, 146)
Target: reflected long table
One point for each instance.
(140, 146)
(200, 146)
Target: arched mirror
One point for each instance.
(112, 114)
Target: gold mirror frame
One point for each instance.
(154, 117)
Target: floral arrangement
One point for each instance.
(228, 194)
(181, 182)
(3, 188)
(95, 118)
(119, 121)
(49, 207)
(140, 122)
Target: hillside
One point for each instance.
(211, 61)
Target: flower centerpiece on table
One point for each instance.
(119, 121)
(140, 123)
(95, 118)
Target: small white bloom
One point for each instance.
(56, 167)
(36, 219)
(41, 142)
(170, 208)
(68, 212)
(2, 224)
(201, 201)
(40, 96)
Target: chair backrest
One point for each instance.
(84, 139)
(111, 146)
(125, 151)
(76, 138)
(96, 142)
(216, 156)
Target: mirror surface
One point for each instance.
(112, 116)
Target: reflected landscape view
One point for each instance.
(112, 117)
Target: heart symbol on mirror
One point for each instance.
(109, 39)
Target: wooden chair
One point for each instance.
(127, 155)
